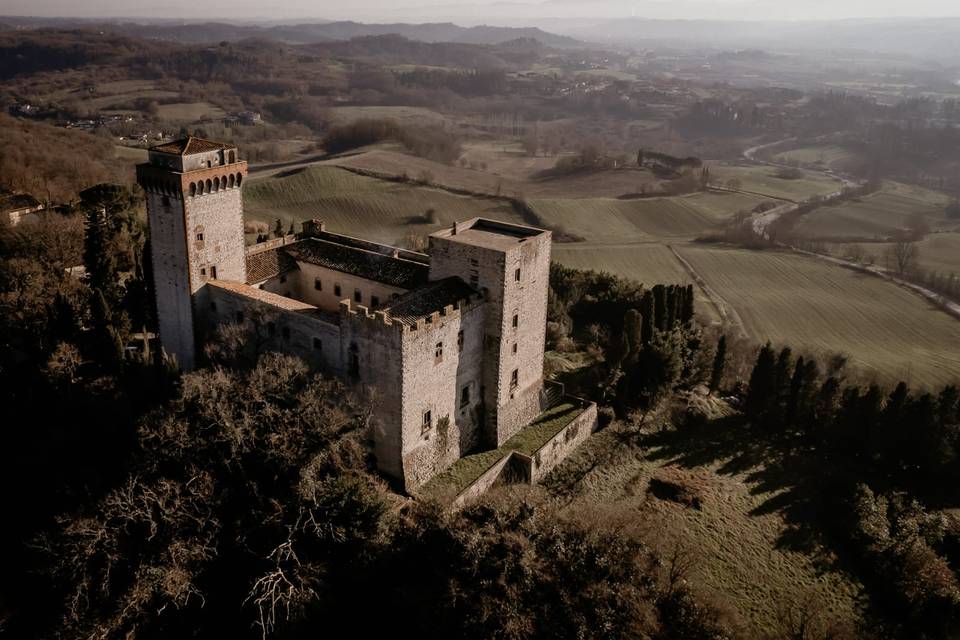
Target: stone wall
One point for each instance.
(563, 444)
(171, 276)
(437, 385)
(214, 226)
(326, 297)
(482, 484)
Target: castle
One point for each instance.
(451, 344)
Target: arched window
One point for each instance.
(193, 189)
(239, 179)
(231, 180)
(209, 185)
(200, 188)
(216, 184)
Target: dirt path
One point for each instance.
(728, 315)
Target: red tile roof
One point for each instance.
(271, 263)
(397, 272)
(190, 146)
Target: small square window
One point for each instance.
(374, 301)
(285, 331)
(516, 275)
(438, 352)
(515, 378)
(336, 290)
(317, 344)
(357, 296)
(460, 341)
(199, 237)
(317, 284)
(516, 320)
(427, 423)
(203, 271)
(465, 397)
(239, 317)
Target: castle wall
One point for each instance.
(171, 280)
(561, 445)
(217, 218)
(436, 385)
(296, 330)
(327, 300)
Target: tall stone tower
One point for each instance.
(195, 210)
(511, 265)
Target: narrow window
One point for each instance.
(213, 272)
(285, 331)
(317, 284)
(515, 378)
(516, 275)
(465, 397)
(317, 344)
(514, 348)
(516, 320)
(336, 289)
(239, 317)
(374, 301)
(438, 353)
(357, 296)
(427, 423)
(460, 342)
(199, 237)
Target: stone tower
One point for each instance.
(195, 210)
(510, 264)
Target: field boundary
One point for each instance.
(727, 313)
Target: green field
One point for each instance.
(649, 263)
(762, 179)
(829, 156)
(788, 299)
(939, 252)
(876, 215)
(374, 209)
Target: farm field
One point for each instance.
(887, 333)
(939, 252)
(738, 533)
(403, 115)
(189, 111)
(876, 215)
(375, 209)
(828, 156)
(763, 179)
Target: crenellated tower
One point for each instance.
(195, 211)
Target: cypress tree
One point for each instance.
(633, 333)
(648, 313)
(686, 314)
(761, 389)
(719, 364)
(660, 307)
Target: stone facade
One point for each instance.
(449, 347)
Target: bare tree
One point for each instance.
(903, 255)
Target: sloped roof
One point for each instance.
(271, 263)
(397, 272)
(422, 302)
(189, 146)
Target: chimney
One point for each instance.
(313, 227)
(453, 231)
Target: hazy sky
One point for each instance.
(483, 11)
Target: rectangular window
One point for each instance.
(357, 296)
(317, 344)
(213, 272)
(286, 332)
(515, 378)
(199, 237)
(460, 342)
(516, 275)
(317, 284)
(465, 397)
(427, 423)
(203, 271)
(438, 353)
(374, 301)
(336, 289)
(239, 317)
(516, 320)
(514, 348)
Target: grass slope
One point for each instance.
(374, 209)
(762, 179)
(798, 301)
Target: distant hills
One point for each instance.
(311, 33)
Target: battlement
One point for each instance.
(405, 323)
